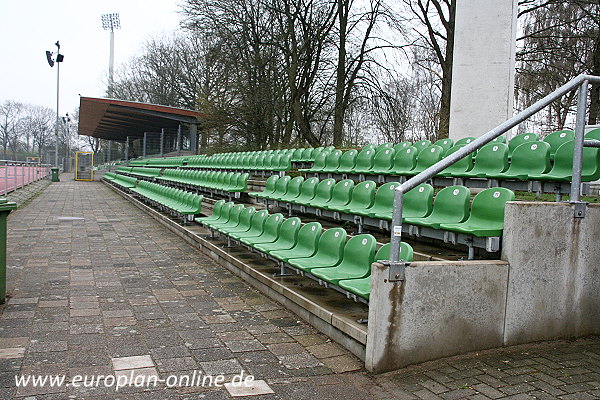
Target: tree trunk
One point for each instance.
(445, 99)
(340, 83)
(595, 91)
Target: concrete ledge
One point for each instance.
(340, 328)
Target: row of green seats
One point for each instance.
(123, 169)
(145, 172)
(530, 161)
(172, 162)
(327, 256)
(226, 181)
(450, 208)
(180, 201)
(277, 162)
(123, 181)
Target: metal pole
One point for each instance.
(111, 61)
(15, 169)
(127, 149)
(396, 238)
(57, 104)
(144, 147)
(179, 140)
(162, 140)
(578, 144)
(109, 150)
(5, 178)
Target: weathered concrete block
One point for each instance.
(442, 308)
(554, 281)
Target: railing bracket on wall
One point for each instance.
(396, 268)
(579, 208)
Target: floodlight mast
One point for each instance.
(111, 22)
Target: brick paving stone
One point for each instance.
(117, 286)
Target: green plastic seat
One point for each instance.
(297, 154)
(359, 254)
(231, 222)
(594, 134)
(284, 163)
(269, 187)
(332, 162)
(487, 214)
(219, 214)
(293, 190)
(404, 161)
(280, 188)
(364, 161)
(460, 167)
(520, 139)
(402, 145)
(110, 176)
(422, 145)
(383, 204)
(450, 206)
(323, 193)
(418, 202)
(563, 165)
(269, 234)
(306, 243)
(363, 197)
(306, 155)
(362, 286)
(384, 146)
(307, 191)
(240, 184)
(341, 195)
(347, 161)
(369, 146)
(383, 161)
(527, 159)
(329, 251)
(464, 141)
(318, 164)
(490, 159)
(445, 144)
(558, 138)
(244, 224)
(256, 226)
(288, 233)
(427, 157)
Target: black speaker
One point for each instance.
(60, 58)
(49, 57)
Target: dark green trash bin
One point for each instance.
(55, 175)
(5, 208)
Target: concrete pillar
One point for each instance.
(483, 72)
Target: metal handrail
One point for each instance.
(580, 82)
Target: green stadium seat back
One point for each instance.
(518, 140)
(332, 162)
(359, 254)
(445, 144)
(487, 214)
(269, 187)
(402, 145)
(463, 165)
(383, 161)
(323, 193)
(464, 141)
(347, 161)
(418, 202)
(307, 191)
(563, 165)
(490, 159)
(594, 134)
(364, 161)
(556, 139)
(293, 189)
(341, 195)
(306, 244)
(528, 158)
(223, 216)
(404, 161)
(427, 157)
(363, 197)
(450, 206)
(245, 222)
(384, 146)
(329, 251)
(384, 203)
(269, 234)
(288, 234)
(422, 145)
(280, 188)
(256, 226)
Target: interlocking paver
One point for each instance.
(115, 291)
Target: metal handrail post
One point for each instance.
(5, 178)
(396, 238)
(15, 169)
(578, 144)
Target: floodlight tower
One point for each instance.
(51, 61)
(111, 22)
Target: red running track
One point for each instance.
(12, 177)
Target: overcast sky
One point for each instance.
(30, 27)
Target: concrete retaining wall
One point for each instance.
(441, 309)
(554, 281)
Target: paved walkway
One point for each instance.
(99, 288)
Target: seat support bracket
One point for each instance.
(396, 269)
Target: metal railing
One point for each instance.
(18, 174)
(581, 82)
